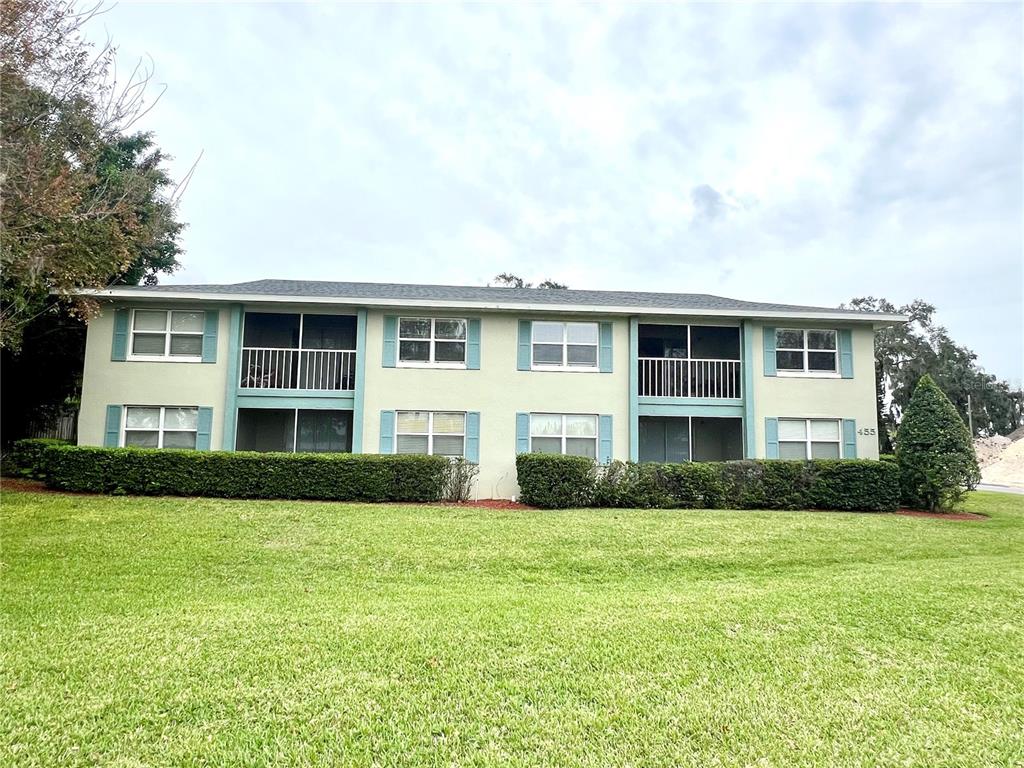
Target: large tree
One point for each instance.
(85, 202)
(906, 352)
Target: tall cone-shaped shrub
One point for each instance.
(934, 451)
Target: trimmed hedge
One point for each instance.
(566, 481)
(556, 482)
(25, 459)
(245, 475)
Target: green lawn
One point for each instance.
(207, 632)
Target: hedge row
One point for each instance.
(25, 457)
(245, 475)
(557, 482)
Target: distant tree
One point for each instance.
(508, 280)
(906, 352)
(934, 450)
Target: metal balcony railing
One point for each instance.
(320, 369)
(677, 377)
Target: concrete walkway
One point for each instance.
(1000, 488)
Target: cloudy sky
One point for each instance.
(805, 154)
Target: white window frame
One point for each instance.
(161, 429)
(429, 434)
(431, 362)
(804, 350)
(807, 436)
(166, 356)
(535, 366)
(564, 437)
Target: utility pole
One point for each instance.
(970, 417)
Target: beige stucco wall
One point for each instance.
(789, 396)
(106, 382)
(498, 391)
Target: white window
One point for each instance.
(167, 333)
(812, 352)
(810, 439)
(150, 426)
(436, 341)
(436, 433)
(565, 346)
(568, 434)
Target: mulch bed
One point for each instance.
(941, 515)
(484, 504)
(23, 485)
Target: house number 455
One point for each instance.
(867, 431)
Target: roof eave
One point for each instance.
(860, 317)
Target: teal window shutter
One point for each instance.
(771, 438)
(522, 433)
(210, 336)
(525, 356)
(605, 350)
(473, 344)
(112, 430)
(769, 351)
(387, 432)
(473, 436)
(846, 353)
(604, 439)
(390, 342)
(204, 428)
(119, 349)
(849, 438)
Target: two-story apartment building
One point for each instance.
(485, 373)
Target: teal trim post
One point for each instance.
(357, 401)
(749, 447)
(231, 391)
(634, 389)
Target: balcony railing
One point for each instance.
(676, 377)
(275, 368)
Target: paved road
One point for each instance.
(1000, 488)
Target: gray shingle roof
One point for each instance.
(383, 292)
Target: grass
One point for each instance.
(208, 632)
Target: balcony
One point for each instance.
(682, 361)
(668, 377)
(323, 369)
(298, 352)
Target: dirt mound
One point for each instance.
(989, 449)
(1008, 468)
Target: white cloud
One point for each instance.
(842, 149)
